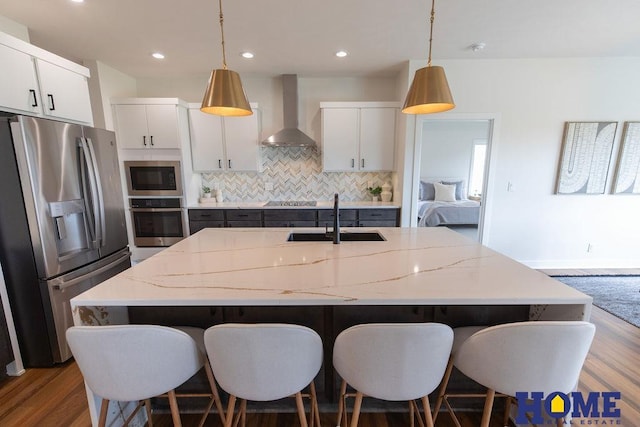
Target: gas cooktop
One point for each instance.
(290, 203)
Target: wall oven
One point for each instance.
(157, 221)
(150, 178)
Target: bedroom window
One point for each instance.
(478, 157)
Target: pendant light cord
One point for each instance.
(433, 14)
(224, 55)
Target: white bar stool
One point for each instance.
(137, 362)
(391, 361)
(265, 362)
(542, 356)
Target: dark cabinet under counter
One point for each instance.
(292, 217)
(348, 218)
(378, 217)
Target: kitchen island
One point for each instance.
(257, 275)
(259, 267)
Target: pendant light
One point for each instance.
(225, 95)
(429, 91)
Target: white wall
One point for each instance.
(15, 29)
(535, 98)
(106, 83)
(447, 147)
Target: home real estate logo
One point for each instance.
(599, 408)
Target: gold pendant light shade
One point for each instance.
(429, 92)
(225, 96)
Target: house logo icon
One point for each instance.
(557, 405)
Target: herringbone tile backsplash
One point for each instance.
(296, 174)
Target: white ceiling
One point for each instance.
(301, 36)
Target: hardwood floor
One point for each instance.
(55, 397)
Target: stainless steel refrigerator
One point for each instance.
(62, 225)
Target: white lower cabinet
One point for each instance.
(358, 137)
(224, 143)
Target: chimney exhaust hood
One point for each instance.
(290, 136)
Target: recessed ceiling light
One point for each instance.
(341, 54)
(157, 55)
(247, 55)
(78, 1)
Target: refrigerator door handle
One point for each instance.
(72, 282)
(100, 232)
(96, 232)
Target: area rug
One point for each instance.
(619, 295)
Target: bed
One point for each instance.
(444, 202)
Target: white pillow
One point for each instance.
(445, 193)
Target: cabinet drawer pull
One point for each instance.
(243, 215)
(362, 162)
(144, 140)
(219, 164)
(353, 163)
(151, 138)
(52, 105)
(229, 163)
(35, 98)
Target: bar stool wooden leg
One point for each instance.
(412, 414)
(507, 410)
(175, 413)
(443, 389)
(342, 410)
(214, 390)
(243, 413)
(488, 405)
(147, 405)
(301, 414)
(356, 409)
(104, 408)
(315, 410)
(231, 409)
(427, 412)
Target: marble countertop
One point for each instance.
(257, 266)
(320, 205)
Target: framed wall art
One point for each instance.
(585, 157)
(628, 170)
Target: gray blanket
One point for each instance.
(460, 212)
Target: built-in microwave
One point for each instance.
(151, 178)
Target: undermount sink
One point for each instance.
(344, 237)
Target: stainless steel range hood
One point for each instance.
(290, 136)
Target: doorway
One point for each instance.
(453, 151)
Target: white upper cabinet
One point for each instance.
(38, 83)
(19, 86)
(65, 94)
(224, 143)
(340, 139)
(147, 126)
(358, 137)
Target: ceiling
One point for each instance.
(302, 36)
